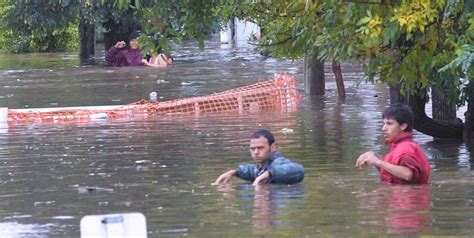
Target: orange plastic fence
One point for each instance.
(280, 93)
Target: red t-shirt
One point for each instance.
(405, 152)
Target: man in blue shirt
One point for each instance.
(269, 167)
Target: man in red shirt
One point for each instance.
(406, 162)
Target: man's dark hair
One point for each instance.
(264, 133)
(400, 113)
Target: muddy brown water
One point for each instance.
(163, 167)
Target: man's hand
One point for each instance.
(366, 159)
(262, 179)
(224, 178)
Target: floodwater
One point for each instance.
(52, 175)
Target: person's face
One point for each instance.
(391, 128)
(134, 44)
(261, 150)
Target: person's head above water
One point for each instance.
(397, 119)
(264, 133)
(400, 113)
(169, 57)
(133, 40)
(134, 35)
(262, 146)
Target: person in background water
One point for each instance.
(159, 60)
(119, 55)
(270, 166)
(406, 162)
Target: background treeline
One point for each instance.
(422, 49)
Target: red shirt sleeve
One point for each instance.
(414, 166)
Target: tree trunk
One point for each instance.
(91, 38)
(468, 135)
(87, 40)
(469, 116)
(113, 34)
(51, 44)
(423, 123)
(429, 126)
(442, 110)
(314, 80)
(336, 69)
(396, 96)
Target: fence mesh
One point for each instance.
(279, 93)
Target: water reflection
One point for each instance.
(406, 208)
(452, 153)
(262, 211)
(15, 229)
(272, 204)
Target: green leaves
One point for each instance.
(39, 26)
(464, 61)
(411, 43)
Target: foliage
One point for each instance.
(416, 44)
(29, 26)
(38, 26)
(399, 42)
(174, 20)
(110, 16)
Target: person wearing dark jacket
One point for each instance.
(269, 167)
(119, 55)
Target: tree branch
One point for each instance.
(272, 44)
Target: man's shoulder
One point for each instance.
(408, 145)
(281, 159)
(408, 148)
(278, 156)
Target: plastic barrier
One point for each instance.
(279, 93)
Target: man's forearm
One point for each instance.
(398, 171)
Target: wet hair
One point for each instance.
(168, 56)
(264, 133)
(400, 113)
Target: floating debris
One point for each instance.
(142, 168)
(287, 131)
(142, 161)
(63, 217)
(37, 204)
(94, 189)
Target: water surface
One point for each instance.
(163, 167)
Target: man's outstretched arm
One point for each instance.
(225, 177)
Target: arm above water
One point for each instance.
(284, 171)
(225, 177)
(152, 63)
(369, 158)
(400, 171)
(246, 172)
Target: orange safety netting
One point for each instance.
(279, 93)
